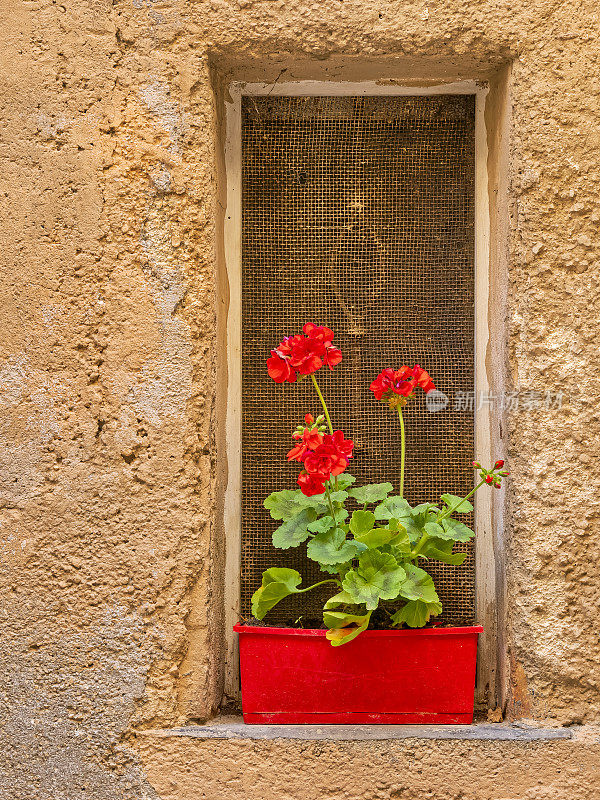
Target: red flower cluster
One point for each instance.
(491, 476)
(303, 354)
(323, 455)
(393, 385)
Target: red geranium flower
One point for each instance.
(330, 457)
(423, 379)
(312, 483)
(345, 446)
(311, 439)
(401, 382)
(333, 356)
(383, 383)
(280, 369)
(303, 354)
(318, 332)
(398, 382)
(307, 355)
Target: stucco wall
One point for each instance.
(111, 354)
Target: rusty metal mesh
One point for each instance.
(358, 213)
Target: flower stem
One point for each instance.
(314, 586)
(328, 493)
(402, 450)
(323, 403)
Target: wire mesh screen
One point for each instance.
(358, 214)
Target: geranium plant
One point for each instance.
(371, 543)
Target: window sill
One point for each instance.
(234, 728)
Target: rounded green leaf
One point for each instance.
(399, 509)
(394, 506)
(361, 522)
(441, 550)
(462, 506)
(377, 576)
(371, 493)
(345, 480)
(285, 504)
(418, 585)
(338, 496)
(325, 523)
(416, 613)
(277, 583)
(456, 531)
(295, 530)
(377, 537)
(331, 547)
(339, 599)
(433, 529)
(336, 569)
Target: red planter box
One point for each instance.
(292, 676)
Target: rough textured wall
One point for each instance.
(109, 499)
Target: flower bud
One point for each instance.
(489, 479)
(504, 473)
(497, 485)
(499, 464)
(309, 419)
(320, 418)
(477, 465)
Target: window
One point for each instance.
(358, 212)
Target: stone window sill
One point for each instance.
(234, 728)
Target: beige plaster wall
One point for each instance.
(111, 458)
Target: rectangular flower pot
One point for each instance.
(293, 676)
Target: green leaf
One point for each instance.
(418, 585)
(371, 493)
(294, 531)
(416, 613)
(377, 537)
(285, 504)
(277, 583)
(377, 576)
(345, 480)
(340, 619)
(336, 569)
(433, 529)
(422, 509)
(456, 530)
(339, 636)
(325, 523)
(394, 506)
(338, 496)
(401, 540)
(361, 522)
(335, 619)
(398, 508)
(441, 550)
(316, 501)
(451, 500)
(339, 599)
(331, 547)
